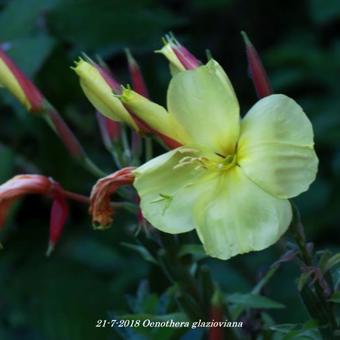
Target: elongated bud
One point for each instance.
(101, 90)
(256, 69)
(179, 57)
(109, 130)
(19, 85)
(216, 314)
(100, 206)
(59, 215)
(137, 78)
(29, 96)
(156, 118)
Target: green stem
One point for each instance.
(126, 146)
(58, 125)
(93, 168)
(324, 308)
(148, 149)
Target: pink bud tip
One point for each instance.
(33, 95)
(59, 215)
(188, 60)
(216, 314)
(256, 69)
(109, 78)
(137, 78)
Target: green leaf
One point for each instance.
(324, 11)
(288, 331)
(196, 250)
(254, 301)
(121, 23)
(335, 297)
(7, 162)
(20, 17)
(265, 279)
(147, 256)
(332, 262)
(30, 53)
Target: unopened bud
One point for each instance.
(101, 91)
(256, 70)
(19, 85)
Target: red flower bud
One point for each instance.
(108, 77)
(188, 60)
(138, 83)
(19, 85)
(59, 215)
(216, 314)
(256, 70)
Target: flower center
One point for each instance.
(220, 163)
(227, 162)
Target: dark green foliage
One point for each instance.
(95, 275)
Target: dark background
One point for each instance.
(90, 273)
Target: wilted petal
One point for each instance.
(25, 184)
(204, 103)
(19, 186)
(275, 149)
(235, 216)
(100, 206)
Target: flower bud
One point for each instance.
(216, 314)
(256, 70)
(101, 90)
(59, 215)
(18, 85)
(179, 57)
(137, 78)
(156, 118)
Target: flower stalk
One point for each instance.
(314, 292)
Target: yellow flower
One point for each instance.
(232, 178)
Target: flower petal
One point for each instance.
(204, 102)
(235, 216)
(275, 149)
(168, 190)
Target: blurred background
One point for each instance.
(91, 274)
